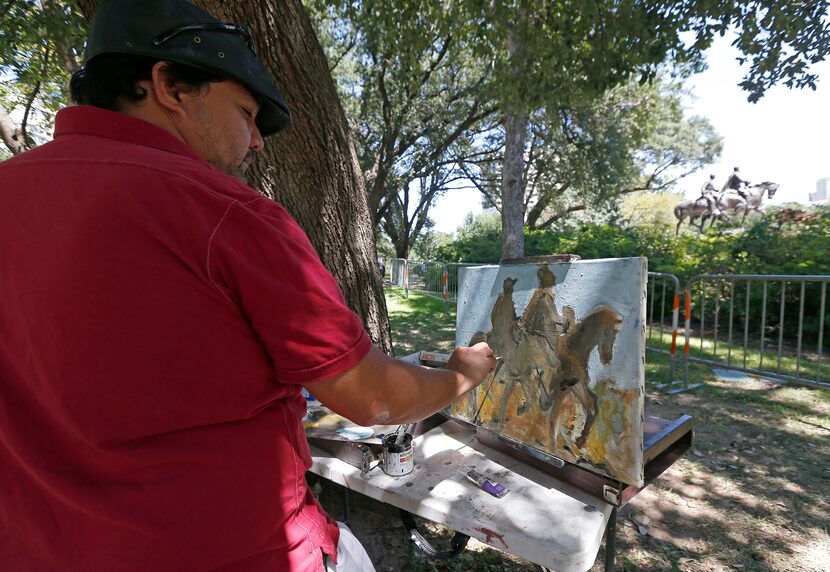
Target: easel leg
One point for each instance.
(611, 540)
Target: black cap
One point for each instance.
(178, 31)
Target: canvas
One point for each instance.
(571, 336)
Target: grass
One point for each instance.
(752, 493)
(420, 322)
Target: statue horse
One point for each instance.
(698, 208)
(732, 203)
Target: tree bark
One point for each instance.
(11, 134)
(512, 189)
(312, 168)
(513, 167)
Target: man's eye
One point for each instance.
(248, 112)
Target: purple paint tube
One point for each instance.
(486, 484)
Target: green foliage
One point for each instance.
(582, 159)
(429, 244)
(413, 93)
(649, 208)
(784, 241)
(479, 240)
(40, 46)
(384, 246)
(768, 246)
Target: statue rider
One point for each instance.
(735, 183)
(709, 193)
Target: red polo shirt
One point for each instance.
(156, 320)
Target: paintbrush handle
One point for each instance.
(401, 434)
(499, 363)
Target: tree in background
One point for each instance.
(412, 85)
(40, 47)
(644, 208)
(549, 55)
(631, 138)
(526, 60)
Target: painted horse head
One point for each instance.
(597, 329)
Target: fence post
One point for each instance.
(687, 294)
(446, 288)
(406, 278)
(687, 315)
(674, 319)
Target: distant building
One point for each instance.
(822, 194)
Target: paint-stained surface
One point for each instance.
(572, 339)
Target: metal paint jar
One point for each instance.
(397, 457)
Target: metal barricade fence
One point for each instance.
(662, 317)
(433, 278)
(770, 325)
(427, 277)
(396, 271)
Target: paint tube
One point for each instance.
(485, 483)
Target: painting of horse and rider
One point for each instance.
(571, 338)
(737, 197)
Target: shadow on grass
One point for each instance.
(758, 475)
(419, 322)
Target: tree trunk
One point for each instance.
(11, 134)
(512, 189)
(312, 167)
(513, 166)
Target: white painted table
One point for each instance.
(542, 520)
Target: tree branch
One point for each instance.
(31, 99)
(348, 48)
(10, 133)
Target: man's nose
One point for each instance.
(257, 142)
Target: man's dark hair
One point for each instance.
(107, 78)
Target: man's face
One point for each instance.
(222, 128)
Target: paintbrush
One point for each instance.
(401, 433)
(499, 363)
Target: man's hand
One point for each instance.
(474, 364)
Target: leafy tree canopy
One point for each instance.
(40, 46)
(633, 137)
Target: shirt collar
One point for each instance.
(98, 122)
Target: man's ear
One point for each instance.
(167, 91)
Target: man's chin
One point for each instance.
(241, 173)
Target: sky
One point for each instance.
(784, 138)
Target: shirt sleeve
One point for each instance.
(263, 261)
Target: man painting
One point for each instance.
(158, 319)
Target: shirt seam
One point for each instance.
(211, 242)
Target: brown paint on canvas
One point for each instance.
(543, 395)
